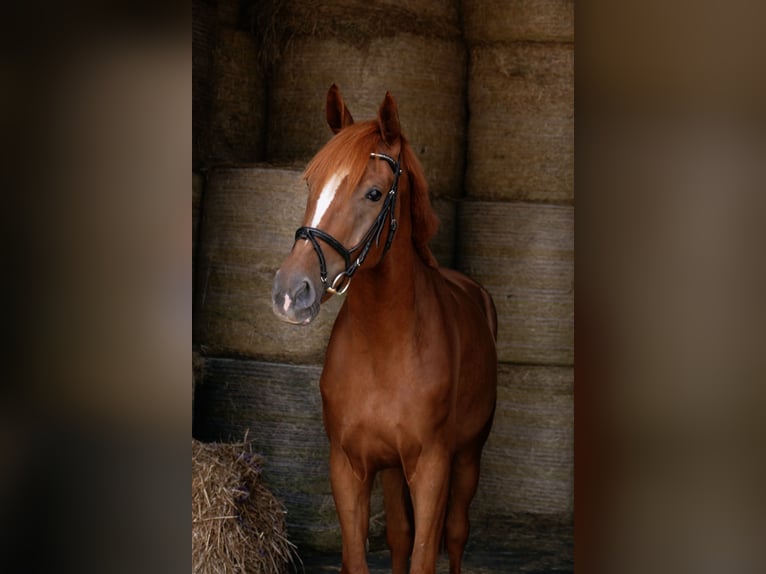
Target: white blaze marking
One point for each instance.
(326, 197)
(287, 302)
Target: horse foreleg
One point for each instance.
(463, 484)
(429, 487)
(398, 520)
(352, 504)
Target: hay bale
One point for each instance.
(238, 108)
(238, 526)
(521, 131)
(426, 75)
(278, 22)
(203, 39)
(512, 20)
(280, 407)
(528, 461)
(251, 214)
(524, 255)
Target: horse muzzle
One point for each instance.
(295, 299)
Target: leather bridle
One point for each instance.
(342, 281)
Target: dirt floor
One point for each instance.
(526, 543)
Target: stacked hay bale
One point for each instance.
(238, 525)
(515, 236)
(203, 38)
(415, 52)
(229, 86)
(238, 111)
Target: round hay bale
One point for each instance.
(426, 76)
(203, 39)
(248, 226)
(528, 462)
(487, 21)
(524, 255)
(280, 408)
(277, 22)
(238, 109)
(521, 131)
(238, 525)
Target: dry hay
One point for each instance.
(524, 255)
(286, 402)
(238, 526)
(238, 102)
(248, 225)
(528, 462)
(521, 131)
(511, 20)
(419, 58)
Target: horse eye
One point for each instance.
(374, 194)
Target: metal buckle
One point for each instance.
(334, 289)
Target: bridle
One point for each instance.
(342, 281)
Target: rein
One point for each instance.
(342, 281)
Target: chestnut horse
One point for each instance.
(410, 375)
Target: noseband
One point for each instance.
(342, 281)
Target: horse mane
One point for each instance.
(425, 223)
(350, 149)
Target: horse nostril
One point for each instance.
(304, 295)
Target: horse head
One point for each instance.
(351, 213)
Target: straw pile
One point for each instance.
(521, 133)
(368, 49)
(529, 455)
(248, 225)
(238, 526)
(524, 255)
(510, 20)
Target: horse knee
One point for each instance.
(456, 532)
(399, 533)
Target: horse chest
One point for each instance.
(378, 420)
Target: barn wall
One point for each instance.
(485, 91)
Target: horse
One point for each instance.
(409, 382)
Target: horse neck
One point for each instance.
(383, 297)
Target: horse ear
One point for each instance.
(338, 116)
(388, 119)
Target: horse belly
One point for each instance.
(473, 338)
